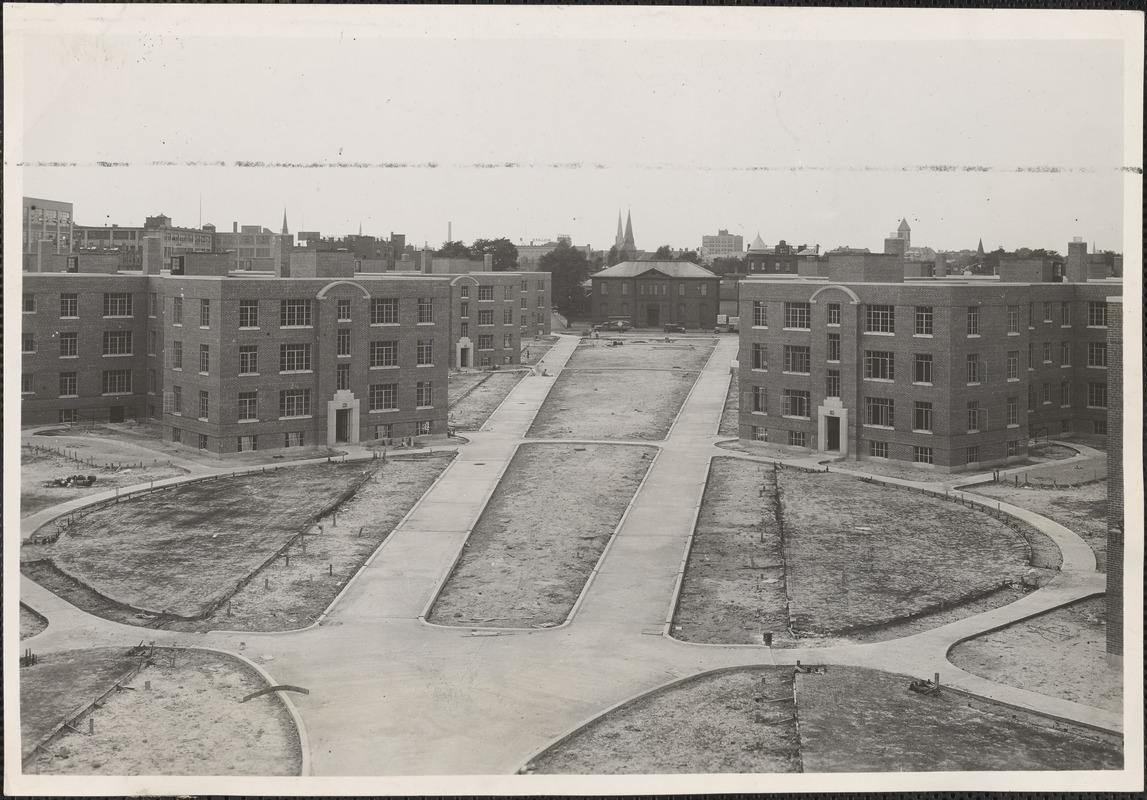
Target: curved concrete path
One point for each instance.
(392, 695)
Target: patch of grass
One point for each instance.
(471, 411)
(31, 623)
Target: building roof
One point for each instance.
(903, 225)
(758, 245)
(672, 269)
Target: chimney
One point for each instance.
(152, 255)
(488, 262)
(1075, 271)
(941, 265)
(234, 227)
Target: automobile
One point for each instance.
(618, 325)
(673, 327)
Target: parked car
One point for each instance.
(673, 327)
(618, 325)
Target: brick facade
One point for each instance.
(1115, 511)
(655, 296)
(493, 315)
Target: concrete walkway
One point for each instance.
(392, 695)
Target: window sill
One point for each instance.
(1013, 380)
(789, 372)
(384, 366)
(295, 371)
(292, 327)
(77, 317)
(383, 324)
(248, 374)
(298, 416)
(1092, 366)
(833, 324)
(205, 374)
(973, 336)
(118, 355)
(759, 369)
(806, 330)
(921, 383)
(342, 355)
(204, 327)
(878, 380)
(247, 421)
(423, 365)
(878, 427)
(972, 383)
(423, 408)
(885, 333)
(794, 416)
(832, 360)
(252, 327)
(382, 410)
(424, 323)
(760, 327)
(1013, 333)
(927, 433)
(1014, 425)
(760, 413)
(117, 394)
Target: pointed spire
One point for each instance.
(360, 228)
(980, 249)
(285, 231)
(903, 225)
(629, 245)
(758, 245)
(619, 240)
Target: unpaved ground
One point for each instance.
(685, 354)
(39, 468)
(1082, 509)
(31, 623)
(181, 549)
(471, 411)
(608, 404)
(190, 722)
(545, 527)
(1022, 655)
(859, 720)
(717, 723)
(534, 350)
(730, 416)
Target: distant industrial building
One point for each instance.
(723, 245)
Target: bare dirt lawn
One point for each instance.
(730, 416)
(481, 398)
(39, 468)
(31, 623)
(1018, 655)
(545, 527)
(190, 722)
(725, 722)
(586, 404)
(684, 354)
(859, 720)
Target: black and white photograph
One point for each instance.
(571, 399)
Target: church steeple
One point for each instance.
(980, 249)
(619, 239)
(629, 245)
(285, 231)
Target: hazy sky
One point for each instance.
(741, 120)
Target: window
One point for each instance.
(485, 293)
(202, 441)
(973, 360)
(1013, 411)
(1097, 354)
(464, 329)
(294, 358)
(973, 409)
(879, 411)
(464, 292)
(1065, 354)
(117, 304)
(1031, 315)
(342, 347)
(1097, 395)
(383, 396)
(294, 402)
(204, 403)
(28, 343)
(760, 403)
(424, 394)
(117, 381)
(248, 359)
(384, 311)
(384, 354)
(705, 291)
(342, 376)
(69, 415)
(382, 431)
(878, 449)
(176, 399)
(1013, 319)
(797, 359)
(426, 310)
(797, 439)
(1013, 447)
(29, 306)
(797, 315)
(973, 320)
(152, 342)
(1031, 398)
(249, 313)
(795, 403)
(972, 454)
(922, 455)
(680, 290)
(1065, 394)
(1065, 314)
(1047, 392)
(1047, 352)
(69, 305)
(1031, 355)
(177, 311)
(879, 365)
(422, 428)
(425, 352)
(760, 434)
(247, 444)
(486, 341)
(68, 384)
(485, 361)
(922, 417)
(248, 405)
(1097, 315)
(486, 316)
(465, 310)
(832, 383)
(507, 342)
(834, 313)
(294, 313)
(880, 319)
(69, 345)
(924, 320)
(1047, 311)
(204, 313)
(1098, 427)
(507, 316)
(204, 359)
(73, 264)
(834, 347)
(344, 310)
(624, 290)
(760, 314)
(760, 356)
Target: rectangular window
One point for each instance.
(294, 313)
(974, 370)
(1065, 394)
(383, 396)
(1031, 355)
(382, 431)
(486, 316)
(204, 403)
(832, 383)
(1031, 398)
(972, 455)
(1013, 447)
(247, 444)
(248, 359)
(426, 309)
(760, 434)
(507, 342)
(152, 342)
(507, 316)
(177, 311)
(880, 319)
(425, 352)
(797, 315)
(294, 402)
(760, 314)
(68, 386)
(204, 359)
(924, 320)
(69, 345)
(834, 347)
(1013, 365)
(834, 313)
(464, 292)
(384, 354)
(486, 341)
(879, 411)
(342, 377)
(117, 381)
(248, 405)
(680, 290)
(760, 356)
(878, 449)
(705, 291)
(973, 320)
(795, 403)
(1065, 354)
(879, 365)
(922, 417)
(344, 310)
(1097, 395)
(384, 311)
(1013, 319)
(204, 313)
(118, 304)
(973, 409)
(1047, 352)
(485, 293)
(797, 359)
(760, 404)
(1013, 411)
(1097, 354)
(117, 343)
(29, 306)
(424, 394)
(1031, 315)
(1047, 311)
(69, 305)
(922, 455)
(922, 368)
(1098, 426)
(797, 439)
(1065, 314)
(177, 355)
(1047, 392)
(342, 346)
(294, 358)
(464, 329)
(624, 290)
(71, 415)
(464, 311)
(1097, 314)
(248, 313)
(202, 441)
(176, 399)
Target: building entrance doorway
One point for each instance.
(464, 358)
(115, 414)
(832, 433)
(342, 425)
(653, 316)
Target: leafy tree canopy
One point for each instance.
(568, 269)
(663, 252)
(504, 251)
(453, 250)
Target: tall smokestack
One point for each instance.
(449, 231)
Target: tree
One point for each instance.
(568, 269)
(664, 252)
(504, 251)
(691, 256)
(727, 265)
(614, 257)
(453, 250)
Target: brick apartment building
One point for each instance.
(948, 372)
(1115, 505)
(655, 293)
